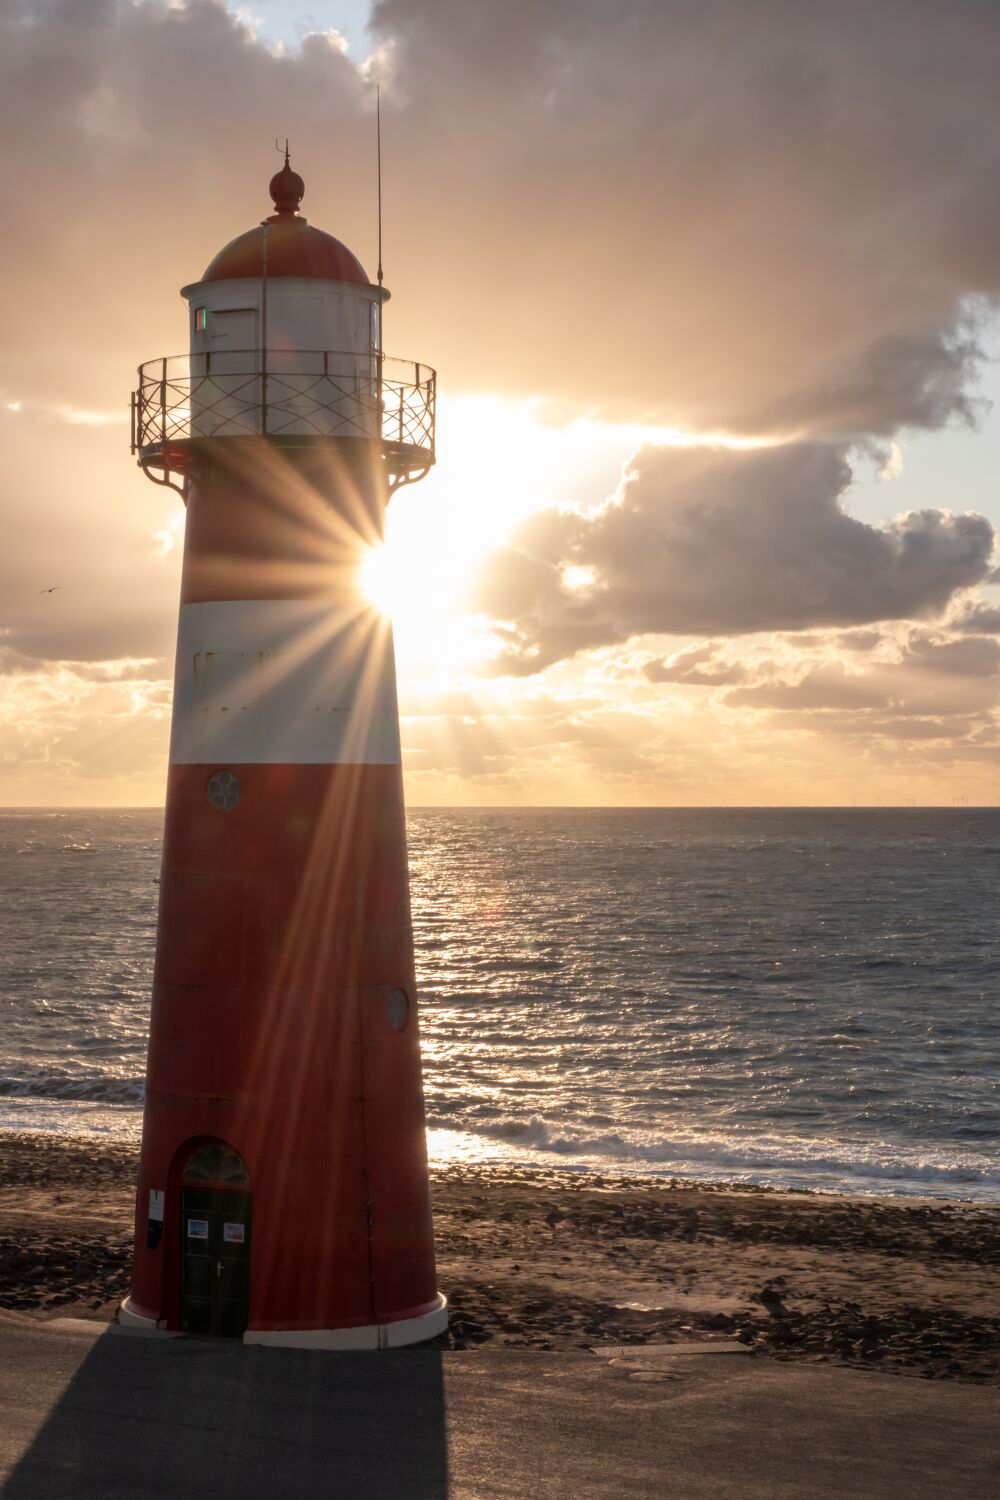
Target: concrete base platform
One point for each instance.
(90, 1411)
(397, 1335)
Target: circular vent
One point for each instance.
(223, 790)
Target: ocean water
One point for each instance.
(800, 998)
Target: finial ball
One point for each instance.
(287, 190)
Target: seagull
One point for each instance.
(51, 590)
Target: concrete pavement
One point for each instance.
(89, 1411)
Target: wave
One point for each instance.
(98, 1088)
(838, 1165)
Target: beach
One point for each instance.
(533, 1258)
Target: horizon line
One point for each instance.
(571, 807)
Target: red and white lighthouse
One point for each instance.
(283, 1188)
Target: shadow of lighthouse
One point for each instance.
(136, 1415)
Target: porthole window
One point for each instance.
(223, 790)
(398, 1010)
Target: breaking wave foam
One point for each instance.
(82, 1088)
(782, 1161)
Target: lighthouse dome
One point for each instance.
(293, 248)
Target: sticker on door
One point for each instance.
(234, 1234)
(197, 1229)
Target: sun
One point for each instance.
(380, 579)
(413, 580)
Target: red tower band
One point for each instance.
(283, 1190)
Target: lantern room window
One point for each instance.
(200, 319)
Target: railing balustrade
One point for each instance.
(286, 394)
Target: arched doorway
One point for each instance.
(215, 1242)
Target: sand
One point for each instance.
(554, 1260)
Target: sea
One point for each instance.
(796, 998)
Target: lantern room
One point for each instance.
(285, 286)
(285, 342)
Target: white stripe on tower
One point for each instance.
(284, 682)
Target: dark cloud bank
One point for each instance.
(777, 217)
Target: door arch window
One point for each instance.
(216, 1162)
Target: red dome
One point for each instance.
(294, 248)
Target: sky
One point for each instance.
(712, 292)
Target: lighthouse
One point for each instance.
(283, 1191)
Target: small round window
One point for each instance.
(398, 1009)
(223, 790)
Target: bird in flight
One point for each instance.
(51, 590)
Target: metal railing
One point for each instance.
(285, 394)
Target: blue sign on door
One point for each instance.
(197, 1229)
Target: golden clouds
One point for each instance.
(774, 220)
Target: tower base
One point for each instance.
(375, 1336)
(127, 1317)
(394, 1335)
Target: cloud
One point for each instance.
(975, 656)
(723, 542)
(150, 147)
(935, 688)
(860, 640)
(81, 518)
(82, 734)
(827, 687)
(977, 618)
(916, 729)
(696, 667)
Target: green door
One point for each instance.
(215, 1262)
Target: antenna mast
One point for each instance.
(380, 351)
(378, 138)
